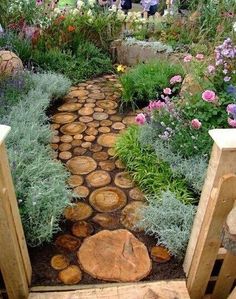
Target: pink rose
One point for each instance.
(156, 105)
(209, 96)
(211, 69)
(140, 119)
(196, 124)
(188, 58)
(167, 90)
(176, 79)
(199, 56)
(232, 122)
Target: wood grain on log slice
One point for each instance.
(123, 180)
(71, 275)
(76, 143)
(81, 191)
(111, 151)
(65, 146)
(160, 254)
(97, 109)
(129, 120)
(91, 131)
(82, 84)
(91, 105)
(95, 148)
(119, 164)
(106, 220)
(89, 138)
(100, 156)
(66, 138)
(100, 115)
(81, 165)
(107, 140)
(70, 100)
(55, 139)
(79, 151)
(82, 101)
(118, 126)
(108, 199)
(93, 124)
(115, 256)
(54, 146)
(59, 262)
(116, 118)
(55, 132)
(79, 211)
(64, 117)
(78, 93)
(86, 144)
(65, 155)
(78, 136)
(104, 129)
(82, 229)
(90, 100)
(107, 165)
(73, 128)
(131, 216)
(98, 178)
(97, 96)
(111, 111)
(75, 180)
(86, 119)
(136, 194)
(106, 123)
(107, 104)
(69, 107)
(55, 126)
(86, 111)
(95, 91)
(68, 242)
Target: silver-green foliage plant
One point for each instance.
(40, 180)
(169, 220)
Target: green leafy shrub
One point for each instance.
(169, 220)
(144, 81)
(40, 180)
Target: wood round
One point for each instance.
(68, 242)
(129, 120)
(107, 104)
(73, 128)
(107, 165)
(81, 165)
(78, 136)
(65, 155)
(100, 156)
(71, 275)
(106, 220)
(86, 119)
(79, 151)
(86, 111)
(79, 211)
(106, 123)
(59, 262)
(119, 164)
(82, 229)
(89, 138)
(95, 148)
(93, 124)
(100, 115)
(91, 131)
(123, 180)
(75, 180)
(69, 107)
(160, 254)
(107, 140)
(136, 194)
(118, 126)
(78, 93)
(66, 138)
(65, 146)
(98, 178)
(104, 129)
(81, 191)
(63, 117)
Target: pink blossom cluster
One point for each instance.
(209, 96)
(176, 79)
(231, 109)
(189, 57)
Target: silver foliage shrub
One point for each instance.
(169, 220)
(40, 180)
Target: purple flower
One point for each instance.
(211, 69)
(140, 119)
(156, 105)
(231, 109)
(232, 122)
(209, 96)
(231, 90)
(176, 79)
(227, 78)
(196, 124)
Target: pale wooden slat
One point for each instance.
(209, 240)
(221, 253)
(226, 277)
(233, 294)
(161, 289)
(4, 130)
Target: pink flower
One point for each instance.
(39, 2)
(231, 108)
(232, 122)
(156, 105)
(188, 58)
(167, 90)
(176, 79)
(199, 56)
(196, 124)
(140, 119)
(211, 69)
(209, 96)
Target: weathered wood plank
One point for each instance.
(161, 289)
(233, 294)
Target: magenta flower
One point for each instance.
(167, 90)
(156, 105)
(196, 124)
(140, 119)
(231, 108)
(209, 96)
(188, 58)
(39, 2)
(199, 56)
(232, 122)
(176, 79)
(211, 69)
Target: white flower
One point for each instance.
(80, 4)
(91, 3)
(90, 13)
(234, 26)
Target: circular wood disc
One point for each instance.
(86, 111)
(70, 100)
(91, 131)
(81, 191)
(81, 165)
(119, 164)
(97, 109)
(55, 126)
(78, 136)
(123, 180)
(131, 216)
(63, 118)
(55, 139)
(82, 101)
(76, 142)
(65, 155)
(104, 129)
(71, 275)
(100, 156)
(118, 126)
(79, 211)
(91, 105)
(75, 180)
(78, 93)
(111, 151)
(116, 118)
(68, 242)
(93, 124)
(79, 151)
(59, 262)
(136, 194)
(73, 128)
(85, 119)
(100, 115)
(65, 146)
(160, 254)
(129, 120)
(97, 96)
(90, 100)
(106, 221)
(95, 148)
(55, 132)
(69, 107)
(89, 138)
(106, 123)
(107, 104)
(111, 111)
(107, 165)
(54, 146)
(86, 144)
(82, 229)
(66, 138)
(98, 178)
(107, 140)
(108, 199)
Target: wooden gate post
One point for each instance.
(14, 259)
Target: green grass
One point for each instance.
(63, 3)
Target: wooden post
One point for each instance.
(14, 259)
(233, 294)
(222, 162)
